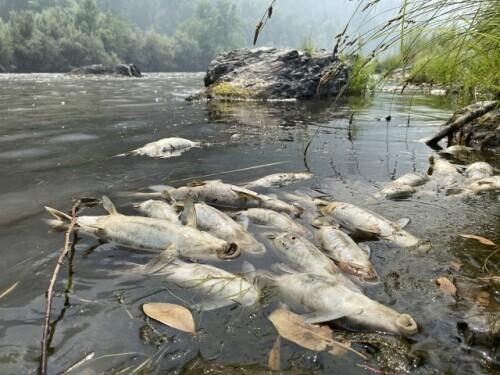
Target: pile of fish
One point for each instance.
(319, 271)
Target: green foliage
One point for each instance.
(57, 35)
(307, 45)
(361, 80)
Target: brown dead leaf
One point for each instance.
(456, 265)
(483, 240)
(9, 289)
(483, 298)
(446, 286)
(174, 316)
(274, 361)
(310, 336)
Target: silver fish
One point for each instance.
(146, 233)
(327, 299)
(485, 184)
(479, 170)
(159, 210)
(396, 191)
(364, 222)
(217, 287)
(164, 148)
(282, 222)
(412, 179)
(349, 256)
(220, 225)
(279, 180)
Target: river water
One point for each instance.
(58, 136)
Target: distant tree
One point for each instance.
(5, 44)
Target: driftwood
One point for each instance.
(49, 294)
(462, 118)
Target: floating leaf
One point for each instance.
(274, 361)
(446, 286)
(174, 316)
(483, 240)
(9, 289)
(310, 336)
(456, 265)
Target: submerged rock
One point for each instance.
(126, 70)
(273, 73)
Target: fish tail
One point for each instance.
(60, 220)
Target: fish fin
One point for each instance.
(283, 268)
(270, 235)
(365, 248)
(167, 197)
(403, 222)
(166, 257)
(59, 215)
(245, 193)
(189, 213)
(109, 206)
(326, 316)
(249, 272)
(209, 304)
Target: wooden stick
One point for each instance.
(455, 124)
(49, 293)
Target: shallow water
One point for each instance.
(58, 136)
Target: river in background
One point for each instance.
(58, 136)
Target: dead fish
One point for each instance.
(282, 222)
(217, 288)
(485, 184)
(412, 179)
(456, 150)
(350, 257)
(396, 191)
(217, 223)
(479, 170)
(146, 233)
(164, 148)
(303, 256)
(327, 299)
(159, 210)
(279, 180)
(360, 221)
(216, 193)
(444, 170)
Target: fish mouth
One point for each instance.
(406, 325)
(229, 251)
(366, 274)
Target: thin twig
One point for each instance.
(49, 294)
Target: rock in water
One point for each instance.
(273, 73)
(126, 70)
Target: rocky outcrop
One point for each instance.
(476, 126)
(273, 73)
(125, 70)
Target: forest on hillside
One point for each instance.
(168, 35)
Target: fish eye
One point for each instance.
(294, 238)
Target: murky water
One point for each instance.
(58, 136)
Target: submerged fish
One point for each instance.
(217, 223)
(367, 223)
(327, 299)
(159, 210)
(485, 184)
(164, 148)
(217, 193)
(282, 222)
(146, 233)
(218, 288)
(479, 170)
(279, 180)
(350, 257)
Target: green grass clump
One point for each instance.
(228, 90)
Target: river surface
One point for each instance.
(58, 138)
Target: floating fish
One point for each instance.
(412, 179)
(396, 191)
(146, 233)
(366, 223)
(328, 298)
(159, 210)
(282, 222)
(279, 180)
(350, 257)
(479, 170)
(164, 148)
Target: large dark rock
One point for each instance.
(273, 73)
(126, 70)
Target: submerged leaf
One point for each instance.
(446, 286)
(174, 316)
(310, 336)
(483, 240)
(274, 361)
(9, 289)
(456, 265)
